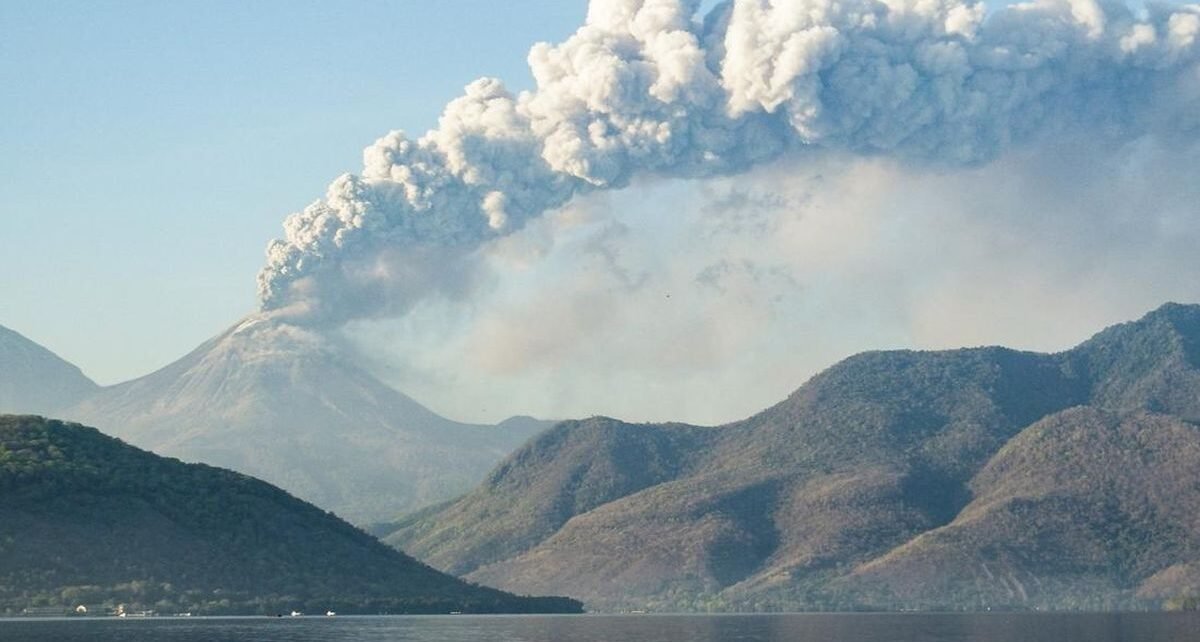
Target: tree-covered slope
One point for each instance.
(35, 380)
(1085, 508)
(85, 518)
(1150, 364)
(785, 509)
(566, 471)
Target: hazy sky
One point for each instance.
(152, 149)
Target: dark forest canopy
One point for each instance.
(88, 520)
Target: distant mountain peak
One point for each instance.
(35, 380)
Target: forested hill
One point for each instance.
(960, 479)
(87, 519)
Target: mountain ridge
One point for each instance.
(34, 379)
(780, 510)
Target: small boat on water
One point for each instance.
(330, 614)
(296, 614)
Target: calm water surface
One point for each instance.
(645, 628)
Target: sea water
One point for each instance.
(1010, 627)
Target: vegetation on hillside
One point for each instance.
(86, 519)
(875, 485)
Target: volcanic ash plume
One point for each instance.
(649, 88)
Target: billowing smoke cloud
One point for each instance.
(648, 88)
(756, 282)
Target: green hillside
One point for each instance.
(875, 485)
(566, 471)
(87, 519)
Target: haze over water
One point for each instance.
(1024, 627)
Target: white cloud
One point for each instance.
(687, 217)
(647, 89)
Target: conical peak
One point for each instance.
(262, 337)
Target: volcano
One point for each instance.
(290, 405)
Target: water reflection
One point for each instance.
(1137, 627)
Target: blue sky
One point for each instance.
(151, 149)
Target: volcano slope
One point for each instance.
(292, 406)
